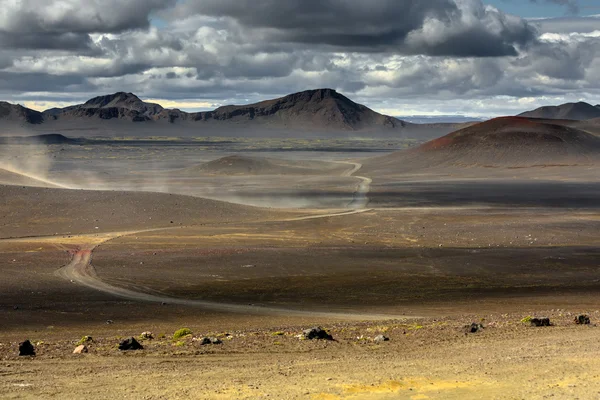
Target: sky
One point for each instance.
(399, 57)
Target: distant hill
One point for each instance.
(18, 113)
(120, 105)
(500, 142)
(434, 119)
(322, 108)
(573, 111)
(304, 114)
(51, 138)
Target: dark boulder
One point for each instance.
(130, 344)
(473, 328)
(582, 320)
(206, 340)
(317, 333)
(26, 349)
(540, 322)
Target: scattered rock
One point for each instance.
(582, 320)
(473, 328)
(203, 341)
(540, 322)
(26, 349)
(317, 333)
(381, 338)
(81, 349)
(109, 322)
(147, 336)
(130, 344)
(208, 340)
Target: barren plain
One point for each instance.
(246, 242)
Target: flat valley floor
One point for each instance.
(139, 239)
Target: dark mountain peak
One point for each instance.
(112, 100)
(318, 95)
(323, 109)
(120, 105)
(18, 113)
(575, 111)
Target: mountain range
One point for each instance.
(321, 108)
(309, 112)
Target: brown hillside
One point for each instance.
(500, 142)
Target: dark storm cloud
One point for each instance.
(382, 52)
(431, 27)
(66, 24)
(47, 41)
(39, 82)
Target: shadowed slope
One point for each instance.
(18, 114)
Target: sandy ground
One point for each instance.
(416, 266)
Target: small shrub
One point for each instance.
(84, 340)
(527, 319)
(278, 333)
(180, 344)
(181, 333)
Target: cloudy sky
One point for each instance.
(400, 57)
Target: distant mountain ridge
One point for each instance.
(321, 108)
(309, 113)
(120, 105)
(575, 111)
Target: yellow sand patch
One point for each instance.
(387, 387)
(415, 388)
(325, 396)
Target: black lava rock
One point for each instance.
(473, 328)
(582, 320)
(540, 322)
(26, 349)
(317, 333)
(130, 344)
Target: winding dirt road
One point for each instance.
(81, 271)
(361, 198)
